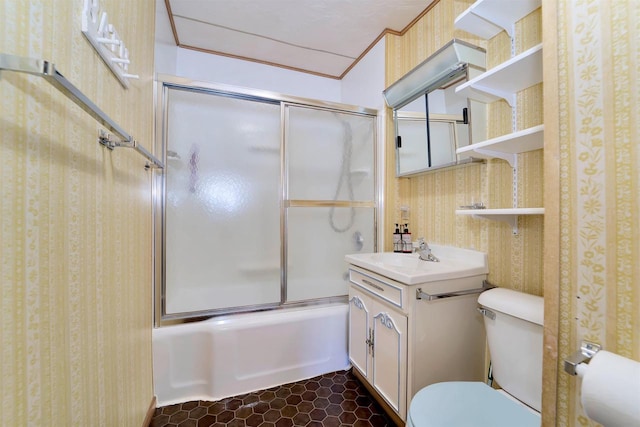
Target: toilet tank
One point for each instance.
(515, 342)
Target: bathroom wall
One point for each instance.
(221, 69)
(592, 186)
(165, 48)
(591, 181)
(364, 83)
(75, 322)
(515, 261)
(362, 86)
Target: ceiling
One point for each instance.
(324, 37)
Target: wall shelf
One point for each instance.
(507, 79)
(487, 18)
(506, 147)
(509, 215)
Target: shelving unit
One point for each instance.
(508, 146)
(486, 18)
(509, 215)
(507, 79)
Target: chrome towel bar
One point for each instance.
(428, 297)
(48, 71)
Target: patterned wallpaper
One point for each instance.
(75, 253)
(515, 261)
(596, 124)
(589, 171)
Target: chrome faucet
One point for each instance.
(424, 251)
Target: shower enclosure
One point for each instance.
(261, 198)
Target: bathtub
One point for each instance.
(237, 354)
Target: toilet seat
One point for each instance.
(467, 404)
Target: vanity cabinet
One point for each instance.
(400, 344)
(378, 345)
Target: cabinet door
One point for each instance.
(389, 370)
(359, 332)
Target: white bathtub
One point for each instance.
(218, 358)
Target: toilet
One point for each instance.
(513, 322)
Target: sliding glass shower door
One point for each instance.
(222, 223)
(261, 198)
(330, 197)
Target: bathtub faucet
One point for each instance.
(425, 251)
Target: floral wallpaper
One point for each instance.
(587, 177)
(75, 224)
(599, 190)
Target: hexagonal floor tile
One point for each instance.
(334, 399)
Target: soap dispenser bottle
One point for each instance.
(407, 246)
(397, 240)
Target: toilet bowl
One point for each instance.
(513, 321)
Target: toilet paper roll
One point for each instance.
(611, 390)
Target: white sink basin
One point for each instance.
(411, 270)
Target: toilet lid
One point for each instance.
(472, 404)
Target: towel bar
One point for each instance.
(425, 296)
(48, 71)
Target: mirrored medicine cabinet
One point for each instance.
(431, 122)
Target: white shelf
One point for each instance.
(507, 79)
(486, 18)
(500, 212)
(506, 147)
(509, 215)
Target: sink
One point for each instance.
(409, 269)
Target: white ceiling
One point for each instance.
(319, 36)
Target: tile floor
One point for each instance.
(335, 399)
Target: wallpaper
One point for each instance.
(515, 261)
(598, 141)
(75, 253)
(587, 179)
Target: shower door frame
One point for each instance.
(163, 84)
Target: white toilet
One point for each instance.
(513, 321)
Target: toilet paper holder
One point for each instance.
(584, 355)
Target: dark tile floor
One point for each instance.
(335, 399)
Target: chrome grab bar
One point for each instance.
(48, 71)
(428, 297)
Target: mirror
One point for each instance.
(431, 121)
